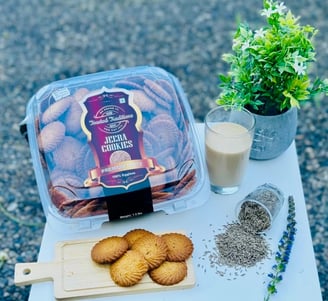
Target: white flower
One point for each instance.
(299, 67)
(280, 9)
(245, 46)
(268, 12)
(260, 33)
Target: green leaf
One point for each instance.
(269, 67)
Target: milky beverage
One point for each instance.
(227, 153)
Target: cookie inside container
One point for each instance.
(114, 144)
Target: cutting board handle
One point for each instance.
(31, 272)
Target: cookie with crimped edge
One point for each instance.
(56, 110)
(159, 101)
(80, 94)
(161, 196)
(119, 156)
(135, 234)
(69, 183)
(179, 246)
(168, 88)
(176, 107)
(165, 130)
(150, 141)
(129, 269)
(169, 273)
(144, 103)
(89, 208)
(156, 88)
(73, 119)
(109, 249)
(51, 136)
(131, 82)
(157, 181)
(61, 177)
(153, 248)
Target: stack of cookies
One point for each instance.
(139, 252)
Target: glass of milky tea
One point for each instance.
(229, 135)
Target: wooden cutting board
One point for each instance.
(75, 274)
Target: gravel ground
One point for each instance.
(46, 40)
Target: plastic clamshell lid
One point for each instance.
(100, 135)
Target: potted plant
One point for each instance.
(269, 75)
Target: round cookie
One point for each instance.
(167, 86)
(109, 249)
(179, 246)
(73, 119)
(161, 196)
(169, 273)
(156, 88)
(69, 182)
(129, 269)
(89, 208)
(160, 101)
(143, 101)
(165, 130)
(134, 235)
(157, 181)
(56, 110)
(119, 156)
(61, 177)
(51, 136)
(176, 108)
(80, 94)
(58, 197)
(131, 82)
(153, 248)
(150, 141)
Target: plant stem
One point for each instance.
(16, 220)
(284, 250)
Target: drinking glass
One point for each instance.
(229, 135)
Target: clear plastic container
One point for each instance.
(112, 145)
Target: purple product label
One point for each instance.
(112, 124)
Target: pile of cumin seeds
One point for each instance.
(237, 246)
(234, 249)
(254, 217)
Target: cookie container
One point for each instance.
(113, 145)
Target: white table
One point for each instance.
(300, 279)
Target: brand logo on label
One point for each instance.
(112, 124)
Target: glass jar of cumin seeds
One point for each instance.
(257, 211)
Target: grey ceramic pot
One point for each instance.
(273, 134)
